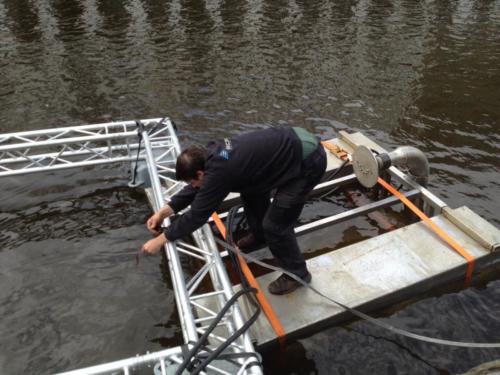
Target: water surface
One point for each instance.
(420, 73)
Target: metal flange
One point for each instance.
(366, 166)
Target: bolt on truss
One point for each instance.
(153, 141)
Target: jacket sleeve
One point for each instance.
(183, 198)
(206, 200)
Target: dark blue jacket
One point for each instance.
(251, 163)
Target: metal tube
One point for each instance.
(414, 159)
(130, 362)
(194, 248)
(109, 125)
(69, 154)
(16, 172)
(206, 295)
(198, 278)
(183, 305)
(319, 188)
(61, 141)
(327, 221)
(218, 274)
(188, 252)
(172, 131)
(429, 197)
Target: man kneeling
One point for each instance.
(287, 162)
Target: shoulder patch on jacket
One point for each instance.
(224, 154)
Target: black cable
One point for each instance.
(337, 171)
(330, 177)
(139, 134)
(192, 354)
(236, 334)
(192, 359)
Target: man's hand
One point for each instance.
(154, 246)
(155, 221)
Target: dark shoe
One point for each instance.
(285, 284)
(249, 243)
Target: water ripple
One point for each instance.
(404, 73)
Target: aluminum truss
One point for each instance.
(191, 300)
(80, 146)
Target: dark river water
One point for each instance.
(420, 73)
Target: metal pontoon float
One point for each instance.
(373, 273)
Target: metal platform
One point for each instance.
(376, 273)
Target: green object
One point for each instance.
(309, 141)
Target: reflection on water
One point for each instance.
(404, 72)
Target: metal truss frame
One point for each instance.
(89, 145)
(191, 299)
(79, 146)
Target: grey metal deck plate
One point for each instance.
(373, 273)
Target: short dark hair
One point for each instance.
(190, 161)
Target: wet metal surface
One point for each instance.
(419, 73)
(374, 273)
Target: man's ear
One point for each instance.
(199, 175)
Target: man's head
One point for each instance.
(190, 166)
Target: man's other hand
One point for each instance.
(154, 223)
(154, 246)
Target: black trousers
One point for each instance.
(274, 222)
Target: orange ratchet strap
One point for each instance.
(264, 303)
(441, 233)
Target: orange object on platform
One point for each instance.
(342, 155)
